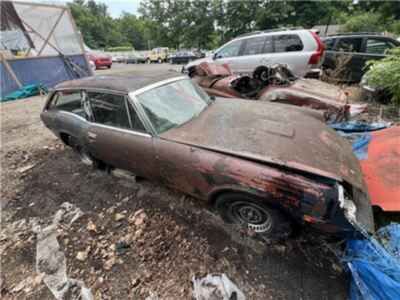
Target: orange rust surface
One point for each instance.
(382, 169)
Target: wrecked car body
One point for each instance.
(263, 166)
(276, 84)
(380, 163)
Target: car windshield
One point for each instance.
(173, 104)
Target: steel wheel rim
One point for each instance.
(253, 216)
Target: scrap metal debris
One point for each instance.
(51, 261)
(216, 287)
(276, 83)
(379, 155)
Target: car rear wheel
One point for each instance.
(248, 212)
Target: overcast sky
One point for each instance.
(115, 7)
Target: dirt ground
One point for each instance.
(134, 239)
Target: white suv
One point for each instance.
(301, 50)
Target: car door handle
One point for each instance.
(92, 136)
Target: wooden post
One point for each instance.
(10, 70)
(81, 43)
(51, 32)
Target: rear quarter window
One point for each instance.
(70, 101)
(288, 43)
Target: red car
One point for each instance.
(100, 60)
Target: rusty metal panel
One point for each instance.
(297, 141)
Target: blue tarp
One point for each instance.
(47, 71)
(24, 92)
(375, 265)
(359, 126)
(360, 146)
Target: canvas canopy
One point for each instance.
(39, 29)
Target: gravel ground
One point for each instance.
(134, 239)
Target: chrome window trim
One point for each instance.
(157, 84)
(123, 130)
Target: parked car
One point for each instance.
(158, 55)
(301, 50)
(276, 84)
(265, 166)
(355, 49)
(135, 58)
(182, 57)
(100, 60)
(118, 58)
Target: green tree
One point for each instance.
(385, 73)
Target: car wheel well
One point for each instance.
(65, 138)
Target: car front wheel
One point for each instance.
(250, 213)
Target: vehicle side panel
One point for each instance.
(203, 174)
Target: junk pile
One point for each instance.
(374, 262)
(276, 83)
(377, 147)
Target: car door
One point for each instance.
(228, 54)
(255, 51)
(348, 53)
(117, 135)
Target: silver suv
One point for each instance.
(301, 50)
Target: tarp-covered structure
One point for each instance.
(39, 44)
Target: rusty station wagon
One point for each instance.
(267, 167)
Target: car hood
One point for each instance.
(271, 133)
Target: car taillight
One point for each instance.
(316, 56)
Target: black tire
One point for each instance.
(249, 212)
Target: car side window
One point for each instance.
(288, 43)
(329, 43)
(268, 45)
(70, 101)
(230, 50)
(109, 109)
(349, 45)
(378, 46)
(137, 124)
(253, 46)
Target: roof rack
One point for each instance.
(269, 30)
(356, 33)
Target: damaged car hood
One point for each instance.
(291, 137)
